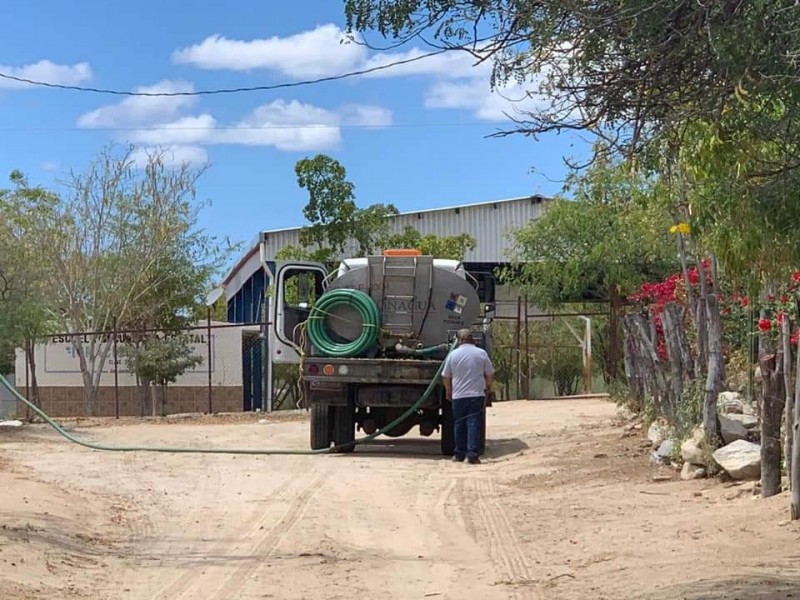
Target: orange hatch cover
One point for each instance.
(402, 252)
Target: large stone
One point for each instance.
(692, 448)
(732, 429)
(690, 471)
(748, 421)
(658, 433)
(731, 403)
(740, 459)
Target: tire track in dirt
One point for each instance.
(271, 538)
(254, 523)
(506, 552)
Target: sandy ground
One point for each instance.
(564, 506)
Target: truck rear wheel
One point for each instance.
(320, 426)
(446, 425)
(344, 427)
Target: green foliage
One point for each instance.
(120, 245)
(453, 247)
(609, 234)
(334, 219)
(160, 360)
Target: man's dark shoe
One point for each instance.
(474, 461)
(458, 458)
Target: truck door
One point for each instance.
(297, 285)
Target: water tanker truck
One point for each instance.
(370, 336)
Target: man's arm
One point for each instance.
(448, 387)
(447, 379)
(488, 374)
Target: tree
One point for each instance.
(626, 70)
(123, 245)
(454, 247)
(159, 361)
(25, 291)
(336, 224)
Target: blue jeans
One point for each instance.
(467, 415)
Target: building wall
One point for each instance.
(61, 383)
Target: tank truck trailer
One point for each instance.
(370, 336)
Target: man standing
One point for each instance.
(467, 379)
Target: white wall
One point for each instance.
(57, 363)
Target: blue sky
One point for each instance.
(414, 137)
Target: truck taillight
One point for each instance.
(327, 369)
(313, 369)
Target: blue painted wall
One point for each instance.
(246, 306)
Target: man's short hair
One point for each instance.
(464, 335)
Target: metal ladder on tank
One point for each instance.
(400, 280)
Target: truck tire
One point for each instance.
(344, 428)
(446, 425)
(320, 426)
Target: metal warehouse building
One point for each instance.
(489, 223)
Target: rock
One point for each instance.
(690, 471)
(14, 423)
(666, 449)
(692, 448)
(663, 455)
(658, 432)
(747, 420)
(732, 429)
(740, 459)
(731, 402)
(662, 478)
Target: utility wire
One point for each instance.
(258, 88)
(243, 128)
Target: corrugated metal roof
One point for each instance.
(490, 223)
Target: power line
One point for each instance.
(241, 128)
(258, 88)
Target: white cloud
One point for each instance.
(359, 115)
(285, 125)
(453, 64)
(485, 104)
(136, 111)
(313, 53)
(47, 72)
(320, 52)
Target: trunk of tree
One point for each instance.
(163, 410)
(30, 351)
(794, 473)
(771, 416)
(715, 378)
(788, 382)
(154, 398)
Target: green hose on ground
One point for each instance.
(370, 323)
(94, 446)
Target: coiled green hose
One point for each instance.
(370, 320)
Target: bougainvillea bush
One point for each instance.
(736, 308)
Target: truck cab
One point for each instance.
(419, 302)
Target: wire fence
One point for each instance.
(103, 373)
(94, 373)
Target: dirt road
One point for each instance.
(564, 506)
